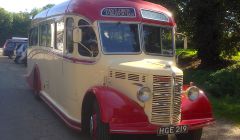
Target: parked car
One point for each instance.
(11, 44)
(21, 54)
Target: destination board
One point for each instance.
(119, 12)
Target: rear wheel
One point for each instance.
(98, 129)
(191, 135)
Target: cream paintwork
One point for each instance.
(65, 83)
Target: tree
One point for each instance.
(212, 26)
(16, 24)
(208, 30)
(5, 25)
(21, 24)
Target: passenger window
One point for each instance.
(33, 36)
(43, 35)
(59, 38)
(69, 35)
(48, 35)
(88, 45)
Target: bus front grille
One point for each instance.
(166, 103)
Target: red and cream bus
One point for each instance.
(108, 67)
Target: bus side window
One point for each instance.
(33, 37)
(59, 35)
(48, 35)
(88, 46)
(69, 35)
(43, 35)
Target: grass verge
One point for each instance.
(227, 108)
(221, 84)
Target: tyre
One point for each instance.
(191, 135)
(98, 129)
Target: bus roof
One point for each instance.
(109, 10)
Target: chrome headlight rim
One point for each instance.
(193, 93)
(144, 94)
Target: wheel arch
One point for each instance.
(34, 79)
(198, 109)
(114, 105)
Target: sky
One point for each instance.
(25, 5)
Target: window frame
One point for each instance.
(61, 20)
(89, 25)
(34, 29)
(66, 34)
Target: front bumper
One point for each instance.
(147, 128)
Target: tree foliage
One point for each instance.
(213, 26)
(17, 24)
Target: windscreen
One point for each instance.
(158, 40)
(118, 38)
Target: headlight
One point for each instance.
(193, 93)
(144, 94)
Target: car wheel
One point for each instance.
(98, 129)
(191, 135)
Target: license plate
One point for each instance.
(172, 130)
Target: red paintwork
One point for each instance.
(33, 79)
(126, 117)
(82, 7)
(185, 87)
(198, 109)
(117, 108)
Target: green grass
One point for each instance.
(227, 108)
(223, 89)
(222, 85)
(186, 53)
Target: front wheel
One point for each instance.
(98, 129)
(191, 135)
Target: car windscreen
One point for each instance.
(120, 38)
(11, 45)
(158, 40)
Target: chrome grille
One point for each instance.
(165, 105)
